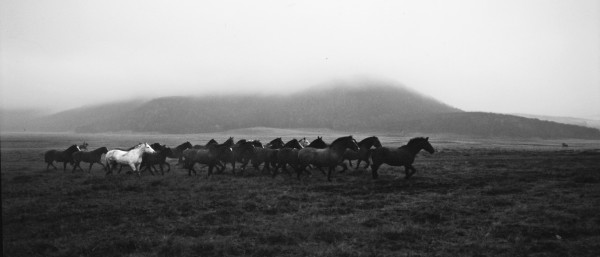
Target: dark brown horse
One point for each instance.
(288, 155)
(401, 156)
(65, 157)
(208, 156)
(267, 155)
(89, 157)
(330, 157)
(364, 151)
(159, 157)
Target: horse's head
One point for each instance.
(346, 142)
(247, 146)
(156, 146)
(421, 143)
(275, 143)
(229, 142)
(72, 149)
(257, 143)
(102, 150)
(304, 142)
(211, 142)
(318, 143)
(146, 148)
(167, 151)
(294, 143)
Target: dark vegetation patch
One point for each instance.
(457, 204)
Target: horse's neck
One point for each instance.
(412, 149)
(368, 144)
(338, 148)
(136, 151)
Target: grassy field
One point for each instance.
(473, 197)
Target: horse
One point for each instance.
(330, 157)
(318, 143)
(242, 152)
(304, 142)
(89, 157)
(267, 154)
(209, 156)
(275, 143)
(288, 155)
(133, 157)
(158, 158)
(65, 157)
(401, 156)
(364, 151)
(209, 143)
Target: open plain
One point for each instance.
(472, 197)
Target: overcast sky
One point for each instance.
(538, 57)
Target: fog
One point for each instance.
(538, 57)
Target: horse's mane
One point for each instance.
(366, 140)
(291, 143)
(341, 139)
(317, 141)
(415, 140)
(100, 149)
(276, 140)
(184, 145)
(73, 148)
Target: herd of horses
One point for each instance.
(275, 157)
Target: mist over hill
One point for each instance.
(375, 107)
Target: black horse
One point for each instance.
(318, 143)
(288, 155)
(401, 156)
(210, 156)
(159, 157)
(267, 155)
(177, 152)
(330, 157)
(211, 142)
(364, 151)
(242, 152)
(89, 157)
(65, 157)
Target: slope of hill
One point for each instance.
(379, 107)
(590, 122)
(498, 125)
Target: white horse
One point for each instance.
(304, 142)
(132, 157)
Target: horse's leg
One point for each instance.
(406, 172)
(331, 168)
(108, 168)
(103, 167)
(374, 168)
(322, 171)
(367, 163)
(168, 166)
(358, 164)
(344, 167)
(410, 174)
(75, 167)
(136, 168)
(64, 166)
(210, 170)
(90, 169)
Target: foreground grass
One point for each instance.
(461, 202)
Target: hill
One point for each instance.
(374, 107)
